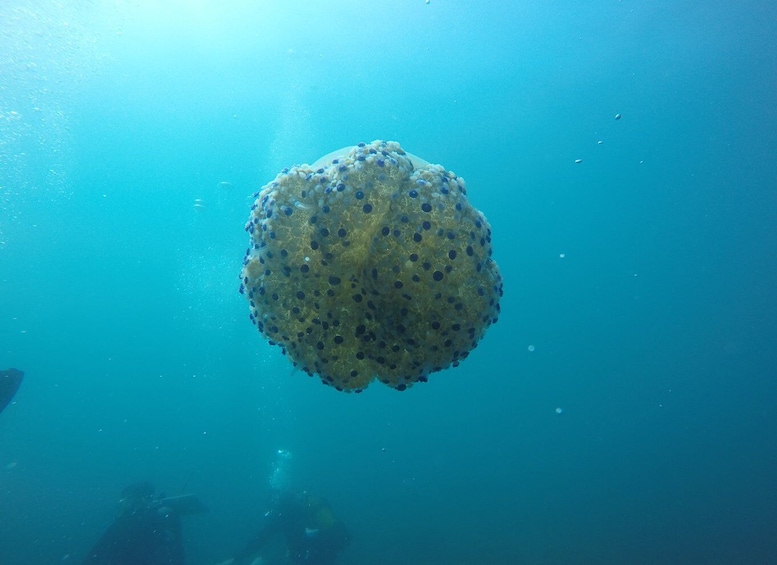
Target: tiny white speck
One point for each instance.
(599, 142)
(559, 410)
(562, 255)
(577, 161)
(530, 348)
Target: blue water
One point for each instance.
(623, 408)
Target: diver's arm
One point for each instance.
(252, 549)
(103, 551)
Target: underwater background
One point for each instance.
(622, 410)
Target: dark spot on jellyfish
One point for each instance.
(458, 206)
(375, 274)
(284, 253)
(359, 355)
(452, 254)
(417, 237)
(341, 232)
(288, 211)
(451, 235)
(338, 339)
(381, 162)
(342, 168)
(360, 329)
(324, 232)
(427, 225)
(357, 298)
(398, 284)
(416, 278)
(359, 195)
(404, 219)
(360, 158)
(314, 245)
(367, 208)
(269, 213)
(320, 345)
(333, 280)
(385, 231)
(274, 296)
(437, 275)
(330, 293)
(426, 207)
(397, 233)
(470, 251)
(456, 327)
(401, 386)
(300, 295)
(313, 219)
(414, 257)
(448, 268)
(361, 144)
(478, 224)
(340, 187)
(427, 265)
(395, 269)
(325, 209)
(319, 171)
(413, 193)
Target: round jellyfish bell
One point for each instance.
(370, 264)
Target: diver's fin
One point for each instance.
(184, 504)
(10, 380)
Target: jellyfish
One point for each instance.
(370, 264)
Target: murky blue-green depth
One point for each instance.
(622, 410)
